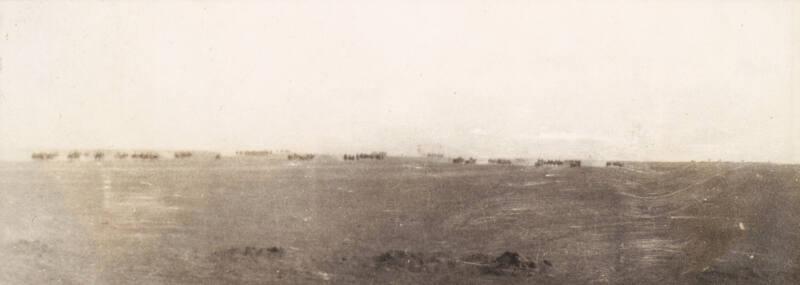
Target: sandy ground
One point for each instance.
(399, 221)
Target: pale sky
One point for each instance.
(642, 80)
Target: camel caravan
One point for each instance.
(100, 155)
(42, 156)
(145, 155)
(364, 156)
(549, 162)
(254, 153)
(71, 156)
(434, 155)
(182, 154)
(500, 161)
(295, 156)
(74, 155)
(461, 160)
(273, 154)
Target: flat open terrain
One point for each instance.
(399, 221)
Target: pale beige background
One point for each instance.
(655, 80)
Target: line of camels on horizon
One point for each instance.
(148, 155)
(361, 156)
(99, 155)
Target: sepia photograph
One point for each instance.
(399, 142)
